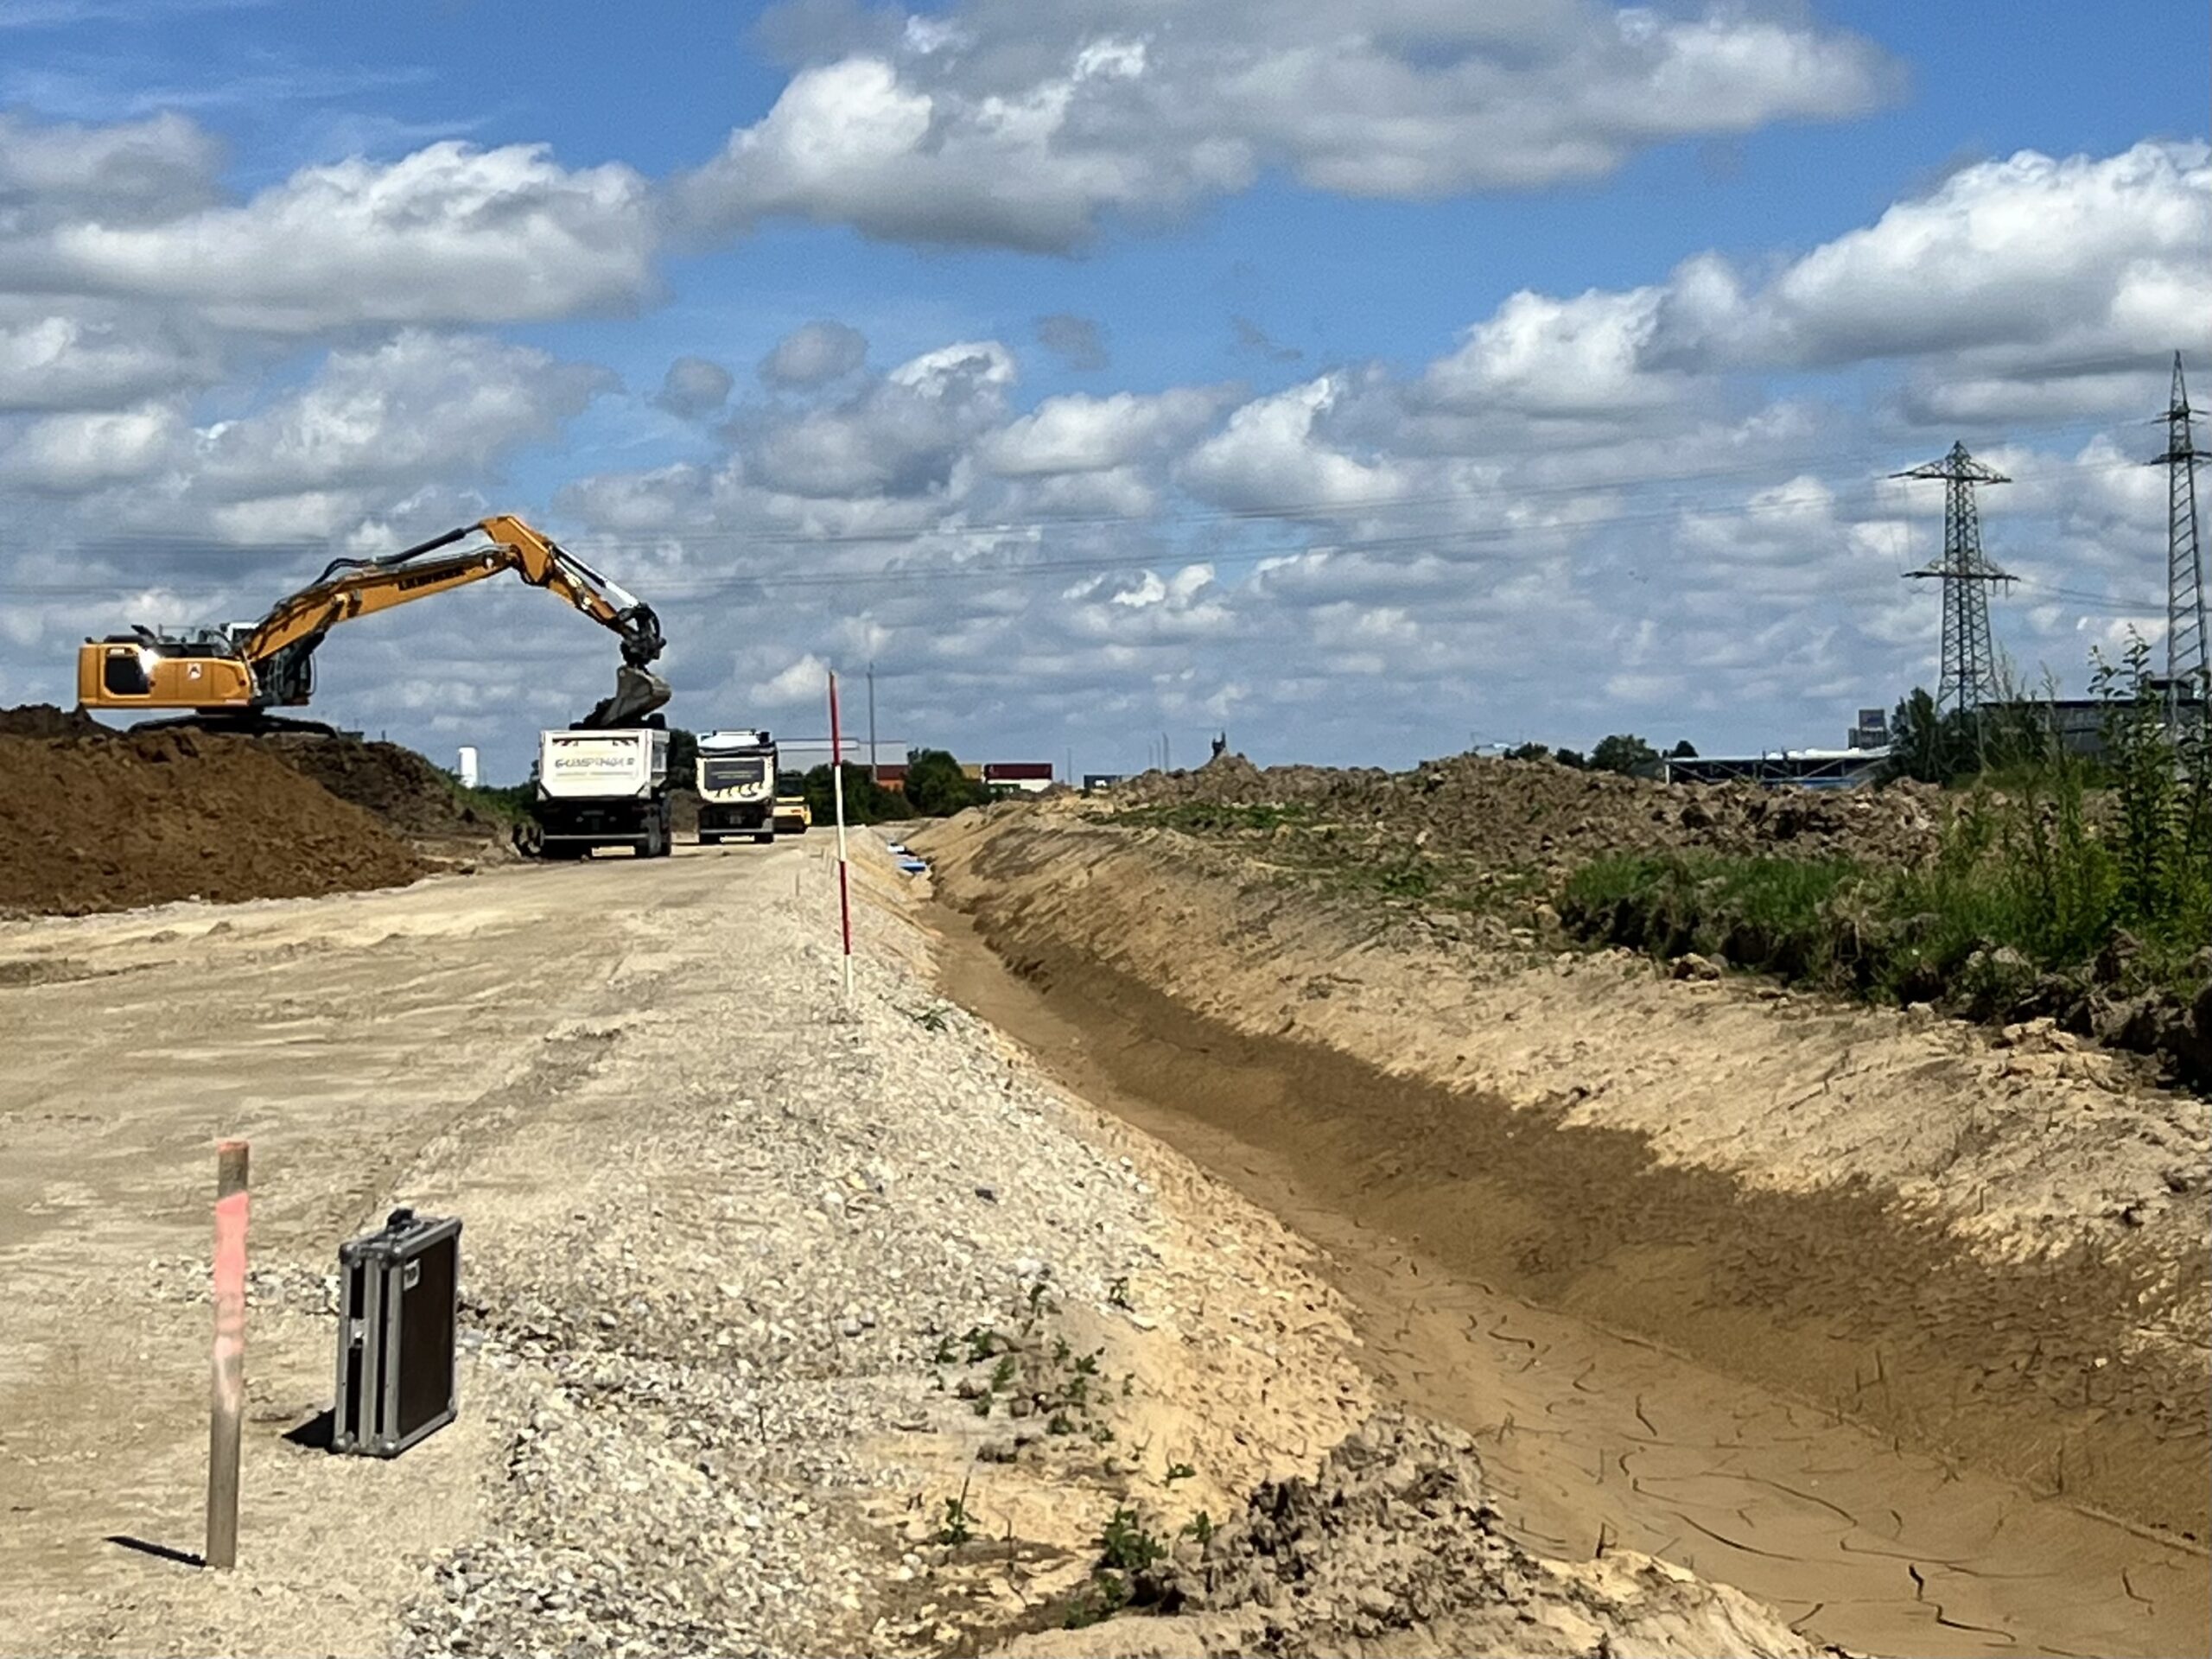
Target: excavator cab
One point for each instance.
(201, 668)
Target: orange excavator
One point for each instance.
(237, 672)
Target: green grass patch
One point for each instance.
(504, 803)
(1777, 914)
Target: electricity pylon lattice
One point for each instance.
(1968, 677)
(2189, 645)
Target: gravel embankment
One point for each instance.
(698, 1360)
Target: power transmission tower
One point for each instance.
(1970, 667)
(2189, 645)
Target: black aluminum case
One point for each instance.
(398, 1315)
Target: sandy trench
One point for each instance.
(1984, 1263)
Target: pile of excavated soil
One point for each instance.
(1394, 1548)
(44, 720)
(1540, 814)
(117, 821)
(399, 785)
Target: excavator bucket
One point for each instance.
(636, 694)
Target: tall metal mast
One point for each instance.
(2189, 665)
(1968, 677)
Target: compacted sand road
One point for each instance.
(340, 1037)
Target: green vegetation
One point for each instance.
(1206, 817)
(2058, 875)
(958, 1526)
(1346, 858)
(937, 788)
(1127, 1546)
(866, 801)
(1623, 751)
(1771, 912)
(1129, 1553)
(505, 804)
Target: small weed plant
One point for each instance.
(958, 1526)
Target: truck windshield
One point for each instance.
(737, 771)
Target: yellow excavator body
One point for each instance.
(244, 668)
(125, 674)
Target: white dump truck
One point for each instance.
(602, 789)
(737, 785)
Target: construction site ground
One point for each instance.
(1320, 1275)
(788, 1325)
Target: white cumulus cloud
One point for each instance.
(1006, 124)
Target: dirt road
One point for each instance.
(342, 1039)
(767, 1300)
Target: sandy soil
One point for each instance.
(632, 1080)
(104, 822)
(1980, 1254)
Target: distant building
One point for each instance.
(1018, 777)
(1872, 731)
(1810, 769)
(1095, 781)
(892, 775)
(2079, 722)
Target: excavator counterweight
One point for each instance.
(242, 671)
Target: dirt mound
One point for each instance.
(129, 819)
(407, 792)
(1394, 1548)
(1538, 813)
(44, 720)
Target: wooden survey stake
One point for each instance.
(228, 1398)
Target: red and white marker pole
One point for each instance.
(228, 1412)
(837, 793)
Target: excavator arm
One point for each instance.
(270, 663)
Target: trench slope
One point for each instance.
(1984, 1262)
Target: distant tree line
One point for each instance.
(936, 787)
(1622, 753)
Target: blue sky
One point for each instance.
(1413, 379)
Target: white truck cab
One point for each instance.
(737, 785)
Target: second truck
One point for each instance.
(737, 785)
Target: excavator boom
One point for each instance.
(246, 669)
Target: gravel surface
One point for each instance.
(746, 1296)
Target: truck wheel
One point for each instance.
(766, 838)
(706, 840)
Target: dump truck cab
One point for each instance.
(736, 780)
